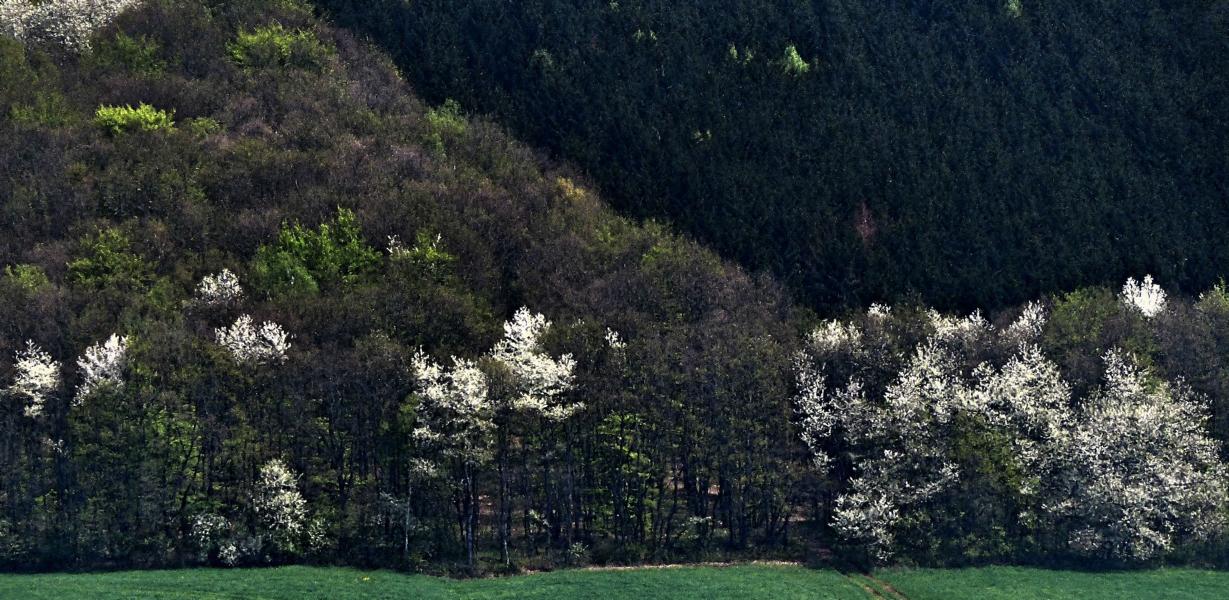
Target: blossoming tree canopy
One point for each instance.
(37, 378)
(250, 344)
(101, 365)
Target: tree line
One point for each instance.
(261, 304)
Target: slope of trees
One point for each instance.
(978, 153)
(258, 303)
(226, 234)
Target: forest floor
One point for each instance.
(775, 581)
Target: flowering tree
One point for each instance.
(456, 417)
(899, 445)
(101, 365)
(67, 23)
(539, 379)
(1137, 472)
(37, 377)
(1028, 326)
(249, 344)
(1127, 475)
(221, 289)
(1145, 297)
(280, 508)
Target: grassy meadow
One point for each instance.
(778, 582)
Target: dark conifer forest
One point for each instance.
(977, 153)
(844, 283)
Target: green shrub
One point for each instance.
(107, 261)
(792, 62)
(274, 46)
(47, 109)
(303, 261)
(443, 123)
(28, 278)
(119, 119)
(203, 126)
(136, 54)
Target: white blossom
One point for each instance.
(614, 341)
(540, 379)
(221, 289)
(1146, 297)
(37, 377)
(280, 508)
(1137, 472)
(951, 329)
(834, 336)
(67, 23)
(879, 312)
(1028, 326)
(249, 344)
(456, 413)
(101, 365)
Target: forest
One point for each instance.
(970, 153)
(260, 303)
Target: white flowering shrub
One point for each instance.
(37, 377)
(879, 312)
(835, 336)
(1128, 475)
(1145, 297)
(1136, 473)
(540, 379)
(249, 344)
(220, 289)
(101, 365)
(280, 508)
(969, 330)
(66, 23)
(899, 444)
(1027, 328)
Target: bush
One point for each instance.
(274, 47)
(120, 119)
(136, 54)
(303, 261)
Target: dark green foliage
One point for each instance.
(140, 55)
(976, 153)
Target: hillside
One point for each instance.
(290, 156)
(976, 153)
(260, 304)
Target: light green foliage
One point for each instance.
(1014, 8)
(136, 54)
(107, 261)
(792, 62)
(305, 261)
(427, 257)
(29, 278)
(444, 123)
(274, 46)
(120, 119)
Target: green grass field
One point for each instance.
(706, 583)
